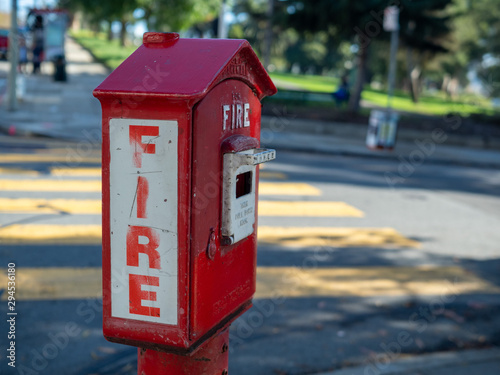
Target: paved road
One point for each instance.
(350, 270)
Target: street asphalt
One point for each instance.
(391, 266)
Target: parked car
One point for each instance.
(4, 43)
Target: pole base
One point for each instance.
(210, 359)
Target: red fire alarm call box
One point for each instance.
(181, 135)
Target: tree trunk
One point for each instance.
(269, 33)
(453, 88)
(123, 32)
(410, 67)
(148, 14)
(95, 29)
(414, 72)
(110, 31)
(415, 82)
(355, 97)
(446, 82)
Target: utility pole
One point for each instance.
(391, 24)
(13, 58)
(392, 66)
(222, 31)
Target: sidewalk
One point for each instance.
(468, 362)
(64, 110)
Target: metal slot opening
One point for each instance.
(243, 184)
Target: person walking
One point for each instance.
(23, 55)
(38, 44)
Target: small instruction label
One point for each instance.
(244, 212)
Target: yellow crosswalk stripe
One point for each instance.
(310, 209)
(21, 171)
(50, 234)
(287, 188)
(93, 207)
(50, 206)
(334, 236)
(265, 188)
(56, 283)
(96, 171)
(368, 281)
(273, 175)
(87, 172)
(51, 185)
(48, 158)
(283, 236)
(275, 282)
(54, 171)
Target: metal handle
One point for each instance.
(255, 156)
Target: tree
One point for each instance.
(160, 15)
(277, 43)
(485, 53)
(425, 30)
(308, 53)
(178, 15)
(98, 11)
(361, 22)
(253, 23)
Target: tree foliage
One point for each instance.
(160, 15)
(178, 15)
(425, 26)
(444, 39)
(485, 15)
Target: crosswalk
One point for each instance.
(91, 233)
(36, 284)
(93, 207)
(49, 190)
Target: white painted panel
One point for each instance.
(159, 167)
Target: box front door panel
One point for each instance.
(224, 281)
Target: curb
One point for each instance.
(375, 155)
(358, 131)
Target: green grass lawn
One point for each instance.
(431, 105)
(111, 54)
(436, 104)
(108, 52)
(305, 82)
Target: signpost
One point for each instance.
(382, 127)
(13, 58)
(391, 24)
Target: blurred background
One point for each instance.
(378, 221)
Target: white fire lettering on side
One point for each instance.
(235, 116)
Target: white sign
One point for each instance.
(143, 219)
(391, 18)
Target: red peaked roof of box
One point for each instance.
(167, 65)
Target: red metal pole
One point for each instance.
(210, 359)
